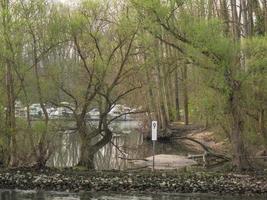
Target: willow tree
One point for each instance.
(102, 42)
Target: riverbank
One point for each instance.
(132, 182)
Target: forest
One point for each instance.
(189, 61)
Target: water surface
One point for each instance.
(127, 142)
(39, 195)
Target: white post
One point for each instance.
(154, 144)
(154, 127)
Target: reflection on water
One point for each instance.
(124, 143)
(26, 195)
(127, 142)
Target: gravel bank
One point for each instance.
(147, 182)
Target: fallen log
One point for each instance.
(207, 152)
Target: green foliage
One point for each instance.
(98, 48)
(256, 50)
(39, 127)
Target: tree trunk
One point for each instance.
(240, 161)
(151, 97)
(9, 84)
(10, 115)
(259, 17)
(177, 103)
(163, 107)
(162, 86)
(239, 155)
(210, 9)
(42, 154)
(168, 82)
(265, 15)
(42, 145)
(225, 16)
(86, 152)
(262, 126)
(250, 18)
(244, 10)
(235, 20)
(185, 95)
(87, 149)
(202, 8)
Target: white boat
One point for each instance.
(61, 112)
(35, 110)
(94, 114)
(120, 112)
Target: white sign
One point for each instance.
(154, 127)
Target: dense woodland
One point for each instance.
(195, 61)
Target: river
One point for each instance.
(127, 142)
(39, 195)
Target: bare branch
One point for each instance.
(81, 55)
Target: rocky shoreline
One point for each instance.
(141, 182)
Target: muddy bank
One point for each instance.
(171, 182)
(165, 162)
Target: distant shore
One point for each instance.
(141, 182)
